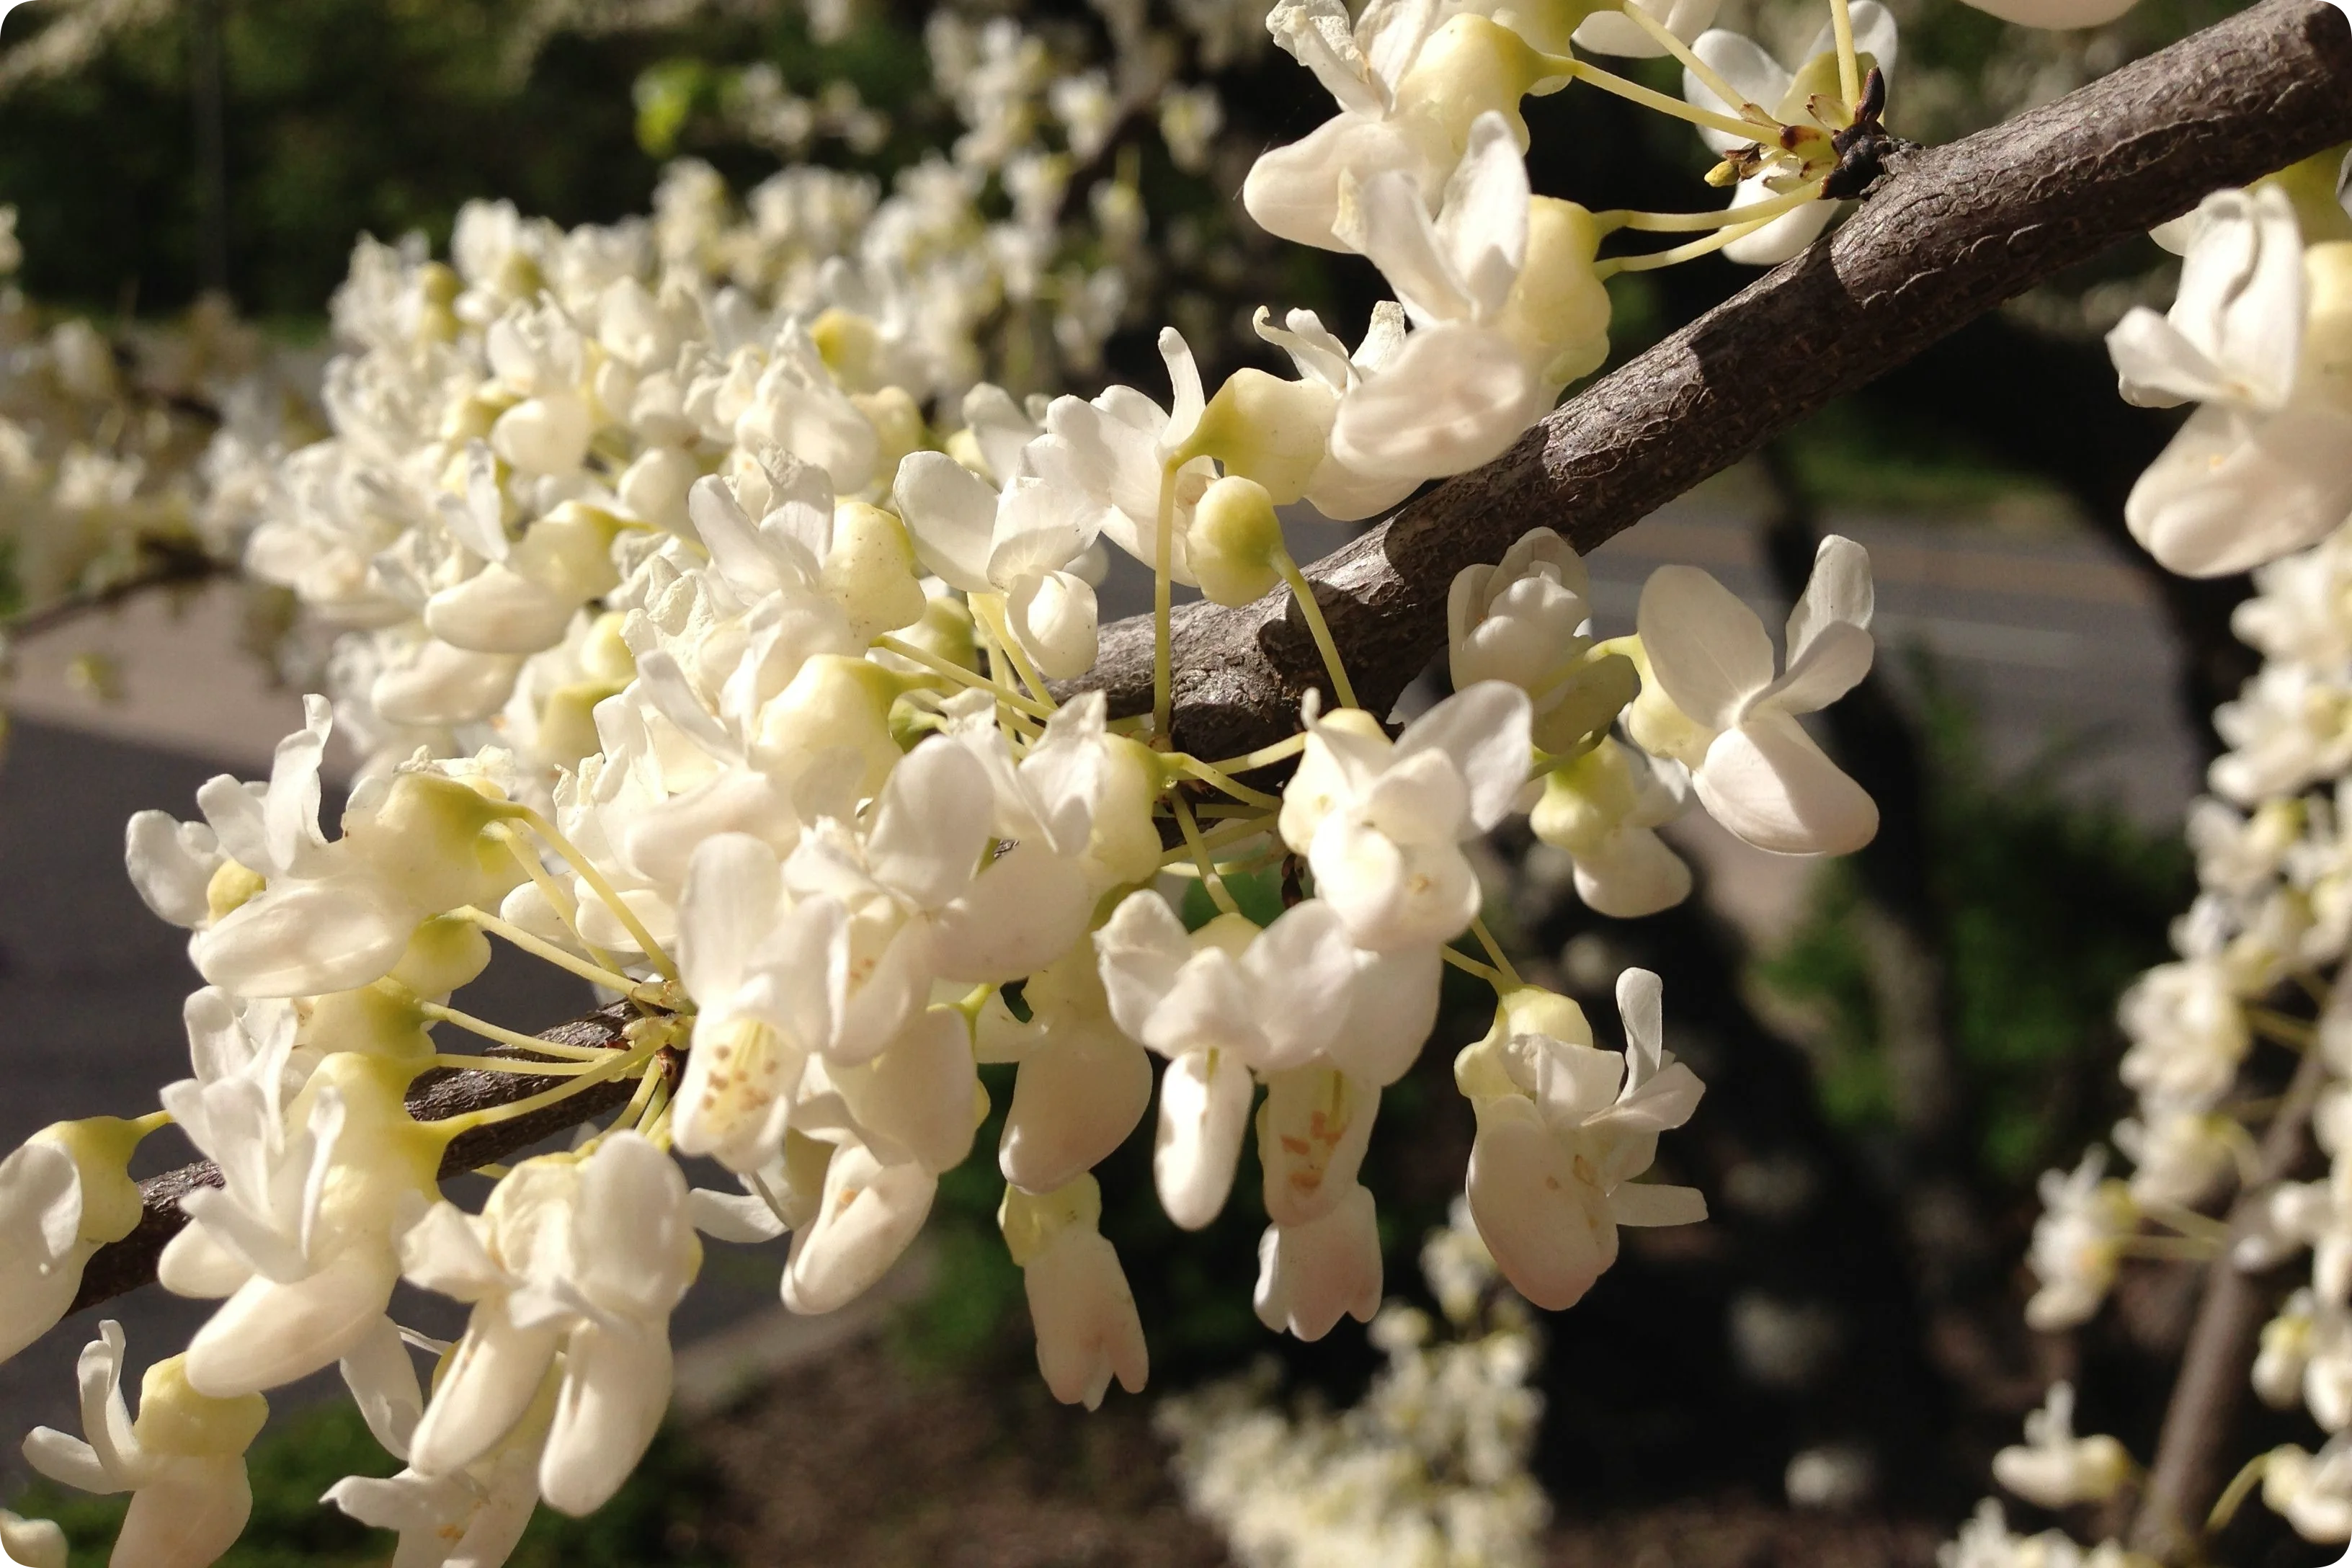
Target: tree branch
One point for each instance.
(1948, 235)
(2193, 1456)
(123, 1266)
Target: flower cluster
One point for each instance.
(129, 454)
(708, 628)
(1429, 1470)
(2246, 483)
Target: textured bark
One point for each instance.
(1950, 233)
(126, 1265)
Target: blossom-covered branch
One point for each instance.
(121, 1267)
(1948, 234)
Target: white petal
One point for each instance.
(1833, 663)
(1770, 784)
(616, 1386)
(1074, 1102)
(1654, 1204)
(1204, 1101)
(1301, 969)
(951, 515)
(493, 1377)
(1455, 397)
(931, 824)
(732, 886)
(305, 939)
(1839, 591)
(1018, 916)
(1138, 951)
(1707, 649)
(1483, 223)
(2235, 490)
(870, 1214)
(268, 1335)
(1088, 1329)
(187, 1517)
(1484, 731)
(1392, 1008)
(170, 864)
(1311, 1276)
(1552, 1234)
(384, 1385)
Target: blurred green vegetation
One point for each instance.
(659, 1517)
(2050, 906)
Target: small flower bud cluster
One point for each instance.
(1429, 1469)
(2244, 485)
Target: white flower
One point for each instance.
(2313, 1493)
(1460, 390)
(1019, 543)
(183, 1460)
(1293, 192)
(1563, 1129)
(299, 1239)
(1216, 1003)
(2078, 1242)
(2188, 1032)
(63, 1194)
(1082, 1084)
(1383, 824)
(1088, 1330)
(1333, 489)
(472, 1517)
(1711, 702)
(2056, 1469)
(1786, 95)
(2265, 465)
(1105, 460)
(1311, 1274)
(587, 1256)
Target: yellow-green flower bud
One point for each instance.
(2324, 372)
(871, 570)
(1586, 801)
(1267, 430)
(1558, 310)
(443, 954)
(836, 701)
(100, 1148)
(2311, 186)
(233, 883)
(1469, 66)
(898, 423)
(174, 1418)
(426, 835)
(1234, 541)
(1029, 1221)
(379, 1020)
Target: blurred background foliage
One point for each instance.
(2030, 906)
